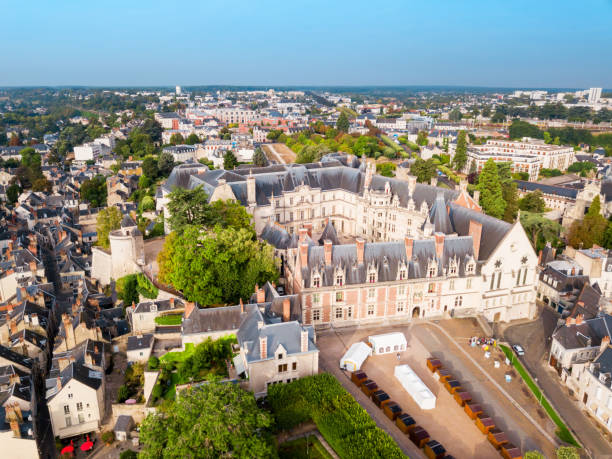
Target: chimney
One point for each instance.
(17, 411)
(304, 254)
(439, 238)
(412, 181)
(241, 306)
(569, 321)
(261, 295)
(304, 341)
(463, 183)
(408, 243)
(15, 428)
(303, 232)
(13, 326)
(263, 347)
(251, 189)
(579, 319)
(14, 379)
(172, 303)
(286, 310)
(88, 359)
(327, 246)
(70, 341)
(63, 362)
(360, 250)
(308, 227)
(605, 342)
(475, 231)
(189, 307)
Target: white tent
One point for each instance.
(415, 387)
(355, 356)
(388, 342)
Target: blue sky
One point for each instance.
(515, 43)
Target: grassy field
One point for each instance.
(297, 449)
(562, 432)
(177, 357)
(169, 319)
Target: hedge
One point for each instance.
(449, 173)
(346, 426)
(563, 432)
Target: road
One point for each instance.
(534, 337)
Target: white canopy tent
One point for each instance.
(388, 342)
(355, 356)
(415, 387)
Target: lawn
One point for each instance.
(563, 432)
(298, 449)
(177, 357)
(169, 319)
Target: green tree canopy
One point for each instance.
(210, 421)
(540, 230)
(460, 158)
(491, 196)
(216, 267)
(165, 164)
(343, 123)
(455, 115)
(192, 139)
(509, 191)
(108, 219)
(229, 160)
(423, 170)
(259, 159)
(590, 230)
(149, 167)
(177, 139)
(12, 193)
(422, 138)
(386, 169)
(94, 191)
(532, 202)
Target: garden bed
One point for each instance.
(169, 319)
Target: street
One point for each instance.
(534, 337)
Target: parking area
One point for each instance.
(447, 422)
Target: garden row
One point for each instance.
(474, 411)
(406, 423)
(341, 420)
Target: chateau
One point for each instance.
(389, 249)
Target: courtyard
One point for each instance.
(447, 422)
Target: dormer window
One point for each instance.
(432, 270)
(470, 267)
(339, 278)
(316, 281)
(452, 268)
(402, 274)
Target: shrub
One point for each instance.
(153, 363)
(108, 437)
(340, 419)
(128, 454)
(123, 394)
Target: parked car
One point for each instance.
(518, 349)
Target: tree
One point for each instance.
(42, 184)
(146, 204)
(212, 420)
(343, 124)
(216, 267)
(590, 230)
(94, 191)
(532, 202)
(455, 115)
(165, 164)
(149, 167)
(127, 289)
(229, 160)
(491, 197)
(108, 219)
(128, 454)
(12, 193)
(192, 139)
(386, 169)
(540, 229)
(259, 159)
(153, 363)
(191, 207)
(509, 191)
(498, 117)
(153, 129)
(423, 170)
(460, 158)
(176, 139)
(567, 452)
(422, 138)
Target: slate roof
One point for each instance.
(140, 342)
(576, 336)
(16, 358)
(562, 191)
(90, 378)
(329, 233)
(287, 334)
(203, 320)
(604, 360)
